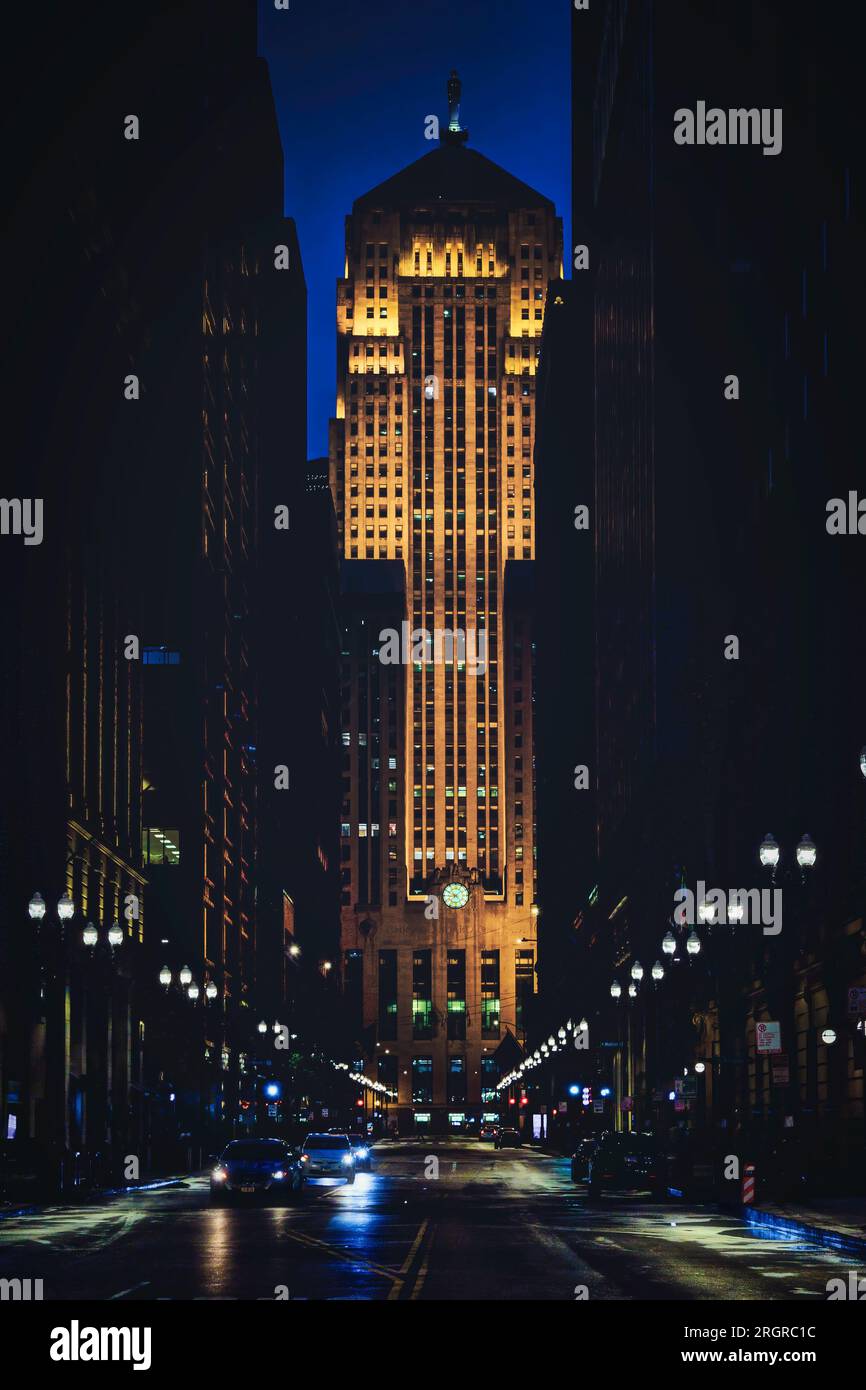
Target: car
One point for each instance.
(255, 1168)
(488, 1131)
(580, 1159)
(507, 1139)
(328, 1156)
(626, 1162)
(361, 1149)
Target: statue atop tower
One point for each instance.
(455, 134)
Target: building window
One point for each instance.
(160, 846)
(387, 996)
(456, 1080)
(490, 994)
(456, 985)
(422, 1080)
(422, 994)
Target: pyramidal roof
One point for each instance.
(452, 174)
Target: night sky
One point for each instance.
(353, 84)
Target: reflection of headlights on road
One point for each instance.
(361, 1153)
(279, 1175)
(348, 1159)
(219, 1175)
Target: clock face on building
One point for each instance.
(455, 895)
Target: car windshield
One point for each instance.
(250, 1149)
(326, 1141)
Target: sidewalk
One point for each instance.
(836, 1222)
(95, 1194)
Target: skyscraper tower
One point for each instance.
(439, 318)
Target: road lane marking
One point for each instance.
(422, 1272)
(414, 1246)
(315, 1244)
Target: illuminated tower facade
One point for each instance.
(439, 317)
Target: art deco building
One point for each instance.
(439, 318)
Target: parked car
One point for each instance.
(328, 1156)
(488, 1131)
(626, 1162)
(580, 1159)
(256, 1167)
(507, 1139)
(361, 1146)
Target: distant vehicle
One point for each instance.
(626, 1162)
(361, 1149)
(255, 1167)
(488, 1131)
(507, 1139)
(580, 1159)
(328, 1156)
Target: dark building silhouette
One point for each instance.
(160, 376)
(709, 512)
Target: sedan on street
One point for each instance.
(626, 1162)
(255, 1168)
(507, 1139)
(328, 1156)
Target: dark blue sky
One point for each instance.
(353, 83)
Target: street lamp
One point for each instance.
(863, 761)
(65, 908)
(185, 975)
(806, 853)
(769, 852)
(632, 991)
(211, 990)
(115, 934)
(693, 944)
(669, 943)
(263, 1027)
(736, 912)
(828, 1036)
(165, 976)
(637, 971)
(90, 935)
(561, 1034)
(193, 992)
(658, 971)
(36, 907)
(615, 990)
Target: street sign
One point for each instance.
(769, 1036)
(856, 1002)
(598, 1106)
(563, 1107)
(780, 1071)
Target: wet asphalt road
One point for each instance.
(492, 1225)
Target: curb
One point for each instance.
(96, 1196)
(821, 1235)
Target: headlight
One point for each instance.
(361, 1153)
(348, 1159)
(219, 1175)
(305, 1158)
(279, 1174)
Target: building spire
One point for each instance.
(455, 134)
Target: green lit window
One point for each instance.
(160, 846)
